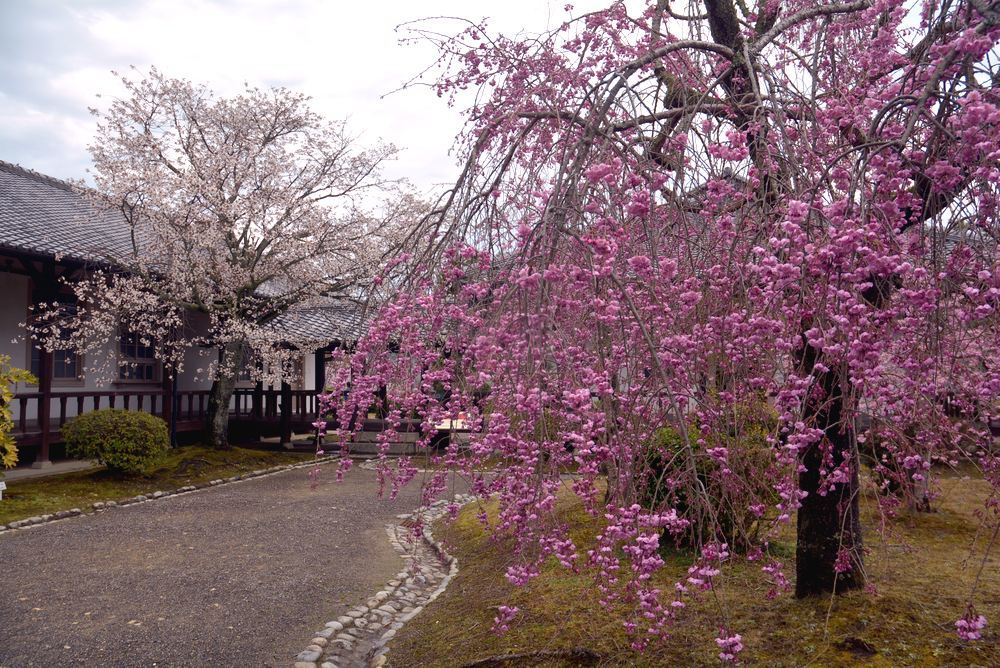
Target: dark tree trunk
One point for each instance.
(829, 524)
(230, 362)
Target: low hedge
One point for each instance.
(124, 441)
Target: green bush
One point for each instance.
(9, 376)
(719, 511)
(124, 441)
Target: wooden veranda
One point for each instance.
(253, 413)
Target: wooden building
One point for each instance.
(50, 235)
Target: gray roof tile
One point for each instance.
(43, 215)
(40, 214)
(336, 320)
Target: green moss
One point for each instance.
(187, 465)
(917, 570)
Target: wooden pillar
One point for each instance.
(46, 289)
(44, 409)
(286, 413)
(257, 401)
(167, 408)
(382, 407)
(320, 370)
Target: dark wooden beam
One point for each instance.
(320, 382)
(45, 288)
(44, 409)
(257, 401)
(168, 408)
(286, 413)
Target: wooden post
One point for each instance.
(382, 407)
(44, 409)
(286, 413)
(319, 386)
(46, 289)
(167, 408)
(320, 370)
(257, 401)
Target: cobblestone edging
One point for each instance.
(372, 464)
(101, 506)
(360, 637)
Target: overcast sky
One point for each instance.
(56, 56)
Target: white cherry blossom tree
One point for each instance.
(239, 208)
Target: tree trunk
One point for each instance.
(230, 361)
(829, 526)
(921, 499)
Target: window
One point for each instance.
(245, 375)
(137, 361)
(67, 364)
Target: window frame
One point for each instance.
(57, 381)
(32, 346)
(244, 375)
(154, 362)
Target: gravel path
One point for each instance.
(235, 575)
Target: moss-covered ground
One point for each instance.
(921, 568)
(187, 465)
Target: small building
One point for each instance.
(50, 236)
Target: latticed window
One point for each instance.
(67, 364)
(137, 359)
(245, 374)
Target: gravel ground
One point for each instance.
(236, 575)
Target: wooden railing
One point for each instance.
(39, 416)
(257, 403)
(190, 408)
(83, 402)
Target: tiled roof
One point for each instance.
(40, 214)
(336, 320)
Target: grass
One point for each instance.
(921, 569)
(188, 465)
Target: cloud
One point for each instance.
(56, 57)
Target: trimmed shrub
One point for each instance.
(124, 441)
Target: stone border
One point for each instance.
(360, 637)
(101, 506)
(371, 464)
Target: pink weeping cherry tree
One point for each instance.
(237, 210)
(705, 260)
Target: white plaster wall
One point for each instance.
(309, 371)
(105, 359)
(195, 359)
